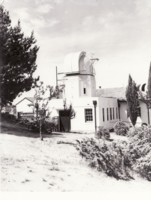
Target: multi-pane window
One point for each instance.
(88, 115)
(110, 113)
(103, 113)
(107, 111)
(113, 114)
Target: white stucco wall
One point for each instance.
(74, 86)
(79, 105)
(53, 106)
(89, 83)
(123, 111)
(79, 76)
(71, 87)
(144, 112)
(140, 120)
(107, 103)
(79, 123)
(24, 107)
(72, 60)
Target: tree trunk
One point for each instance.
(40, 129)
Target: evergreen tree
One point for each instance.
(132, 100)
(17, 59)
(4, 27)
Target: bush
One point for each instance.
(121, 128)
(8, 117)
(103, 133)
(120, 158)
(140, 150)
(33, 125)
(140, 142)
(109, 157)
(143, 166)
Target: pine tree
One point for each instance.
(132, 100)
(17, 59)
(4, 29)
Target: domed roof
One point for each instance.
(71, 62)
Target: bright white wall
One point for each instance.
(80, 104)
(23, 106)
(71, 87)
(54, 105)
(142, 119)
(74, 86)
(123, 111)
(107, 103)
(87, 82)
(144, 113)
(78, 123)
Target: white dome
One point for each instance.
(79, 62)
(71, 62)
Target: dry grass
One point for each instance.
(28, 164)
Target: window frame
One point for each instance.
(88, 114)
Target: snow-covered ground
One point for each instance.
(28, 164)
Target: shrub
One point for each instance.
(143, 166)
(33, 125)
(121, 128)
(140, 150)
(120, 158)
(8, 117)
(103, 133)
(109, 157)
(140, 142)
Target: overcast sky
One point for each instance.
(118, 32)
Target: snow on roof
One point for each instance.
(118, 93)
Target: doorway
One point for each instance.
(64, 120)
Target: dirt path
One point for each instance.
(28, 164)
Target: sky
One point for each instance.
(118, 32)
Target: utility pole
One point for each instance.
(56, 76)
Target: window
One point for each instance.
(116, 113)
(88, 115)
(84, 90)
(103, 114)
(113, 114)
(107, 113)
(110, 113)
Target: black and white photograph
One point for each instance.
(75, 98)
